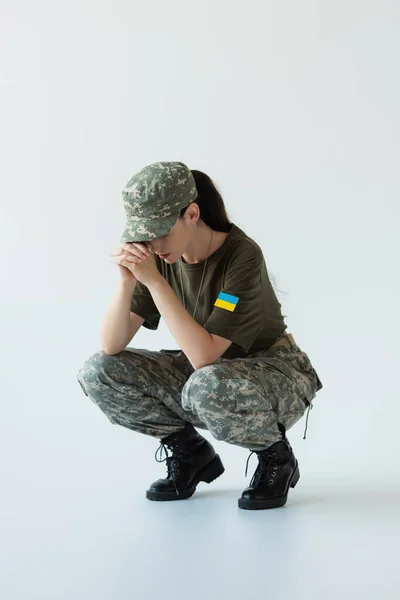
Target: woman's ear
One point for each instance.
(192, 212)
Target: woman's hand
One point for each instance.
(135, 262)
(128, 253)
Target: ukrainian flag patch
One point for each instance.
(226, 301)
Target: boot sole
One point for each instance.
(273, 502)
(209, 473)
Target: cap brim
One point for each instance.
(146, 230)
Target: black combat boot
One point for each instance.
(277, 470)
(193, 460)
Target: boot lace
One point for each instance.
(174, 462)
(267, 464)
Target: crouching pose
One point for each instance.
(237, 373)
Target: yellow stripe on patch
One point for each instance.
(224, 304)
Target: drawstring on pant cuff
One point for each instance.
(309, 407)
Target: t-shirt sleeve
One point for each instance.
(142, 304)
(237, 313)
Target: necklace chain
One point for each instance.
(202, 277)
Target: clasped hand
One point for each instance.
(135, 260)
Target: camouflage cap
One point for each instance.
(153, 199)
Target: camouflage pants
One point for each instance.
(242, 401)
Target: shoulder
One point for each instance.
(243, 249)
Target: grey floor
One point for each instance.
(76, 523)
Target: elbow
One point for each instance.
(107, 352)
(198, 366)
(202, 363)
(112, 348)
(111, 351)
(208, 357)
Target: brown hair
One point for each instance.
(210, 203)
(212, 208)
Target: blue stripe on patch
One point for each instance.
(228, 298)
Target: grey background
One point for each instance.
(292, 108)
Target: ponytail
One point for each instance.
(210, 203)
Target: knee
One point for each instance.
(202, 388)
(97, 363)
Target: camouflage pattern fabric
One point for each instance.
(153, 199)
(240, 401)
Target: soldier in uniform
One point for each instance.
(237, 372)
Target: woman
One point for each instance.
(238, 374)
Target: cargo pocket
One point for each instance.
(278, 365)
(286, 388)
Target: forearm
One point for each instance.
(115, 327)
(191, 337)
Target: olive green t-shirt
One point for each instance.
(237, 300)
